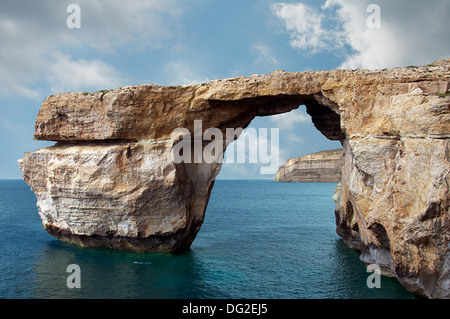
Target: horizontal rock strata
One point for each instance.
(320, 167)
(111, 181)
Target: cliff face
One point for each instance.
(320, 167)
(111, 180)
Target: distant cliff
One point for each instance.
(321, 167)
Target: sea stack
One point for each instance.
(111, 179)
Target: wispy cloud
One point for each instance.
(288, 121)
(260, 148)
(264, 55)
(183, 73)
(37, 45)
(412, 32)
(66, 74)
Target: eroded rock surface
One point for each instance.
(320, 167)
(111, 181)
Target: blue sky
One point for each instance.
(174, 42)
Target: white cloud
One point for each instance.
(36, 44)
(293, 138)
(183, 73)
(66, 74)
(305, 26)
(264, 55)
(288, 121)
(145, 23)
(9, 84)
(413, 32)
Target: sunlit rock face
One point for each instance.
(111, 179)
(320, 167)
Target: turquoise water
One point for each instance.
(260, 239)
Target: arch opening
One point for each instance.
(323, 113)
(306, 125)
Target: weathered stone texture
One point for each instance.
(111, 181)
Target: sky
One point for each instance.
(175, 42)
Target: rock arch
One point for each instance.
(111, 181)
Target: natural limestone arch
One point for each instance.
(111, 180)
(201, 176)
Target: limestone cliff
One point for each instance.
(320, 167)
(111, 180)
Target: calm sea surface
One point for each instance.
(260, 239)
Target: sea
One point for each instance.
(260, 240)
